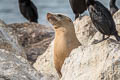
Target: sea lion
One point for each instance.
(28, 10)
(65, 38)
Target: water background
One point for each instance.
(9, 11)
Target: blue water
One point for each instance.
(9, 11)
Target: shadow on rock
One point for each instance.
(34, 38)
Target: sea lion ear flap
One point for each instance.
(59, 15)
(70, 20)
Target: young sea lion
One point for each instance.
(65, 38)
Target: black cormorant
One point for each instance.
(113, 7)
(28, 10)
(102, 19)
(78, 7)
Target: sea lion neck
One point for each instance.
(65, 33)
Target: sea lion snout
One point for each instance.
(49, 15)
(51, 18)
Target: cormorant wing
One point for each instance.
(102, 19)
(34, 10)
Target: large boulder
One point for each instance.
(85, 30)
(44, 63)
(95, 62)
(13, 62)
(8, 40)
(33, 37)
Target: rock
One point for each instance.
(117, 19)
(13, 65)
(34, 38)
(88, 62)
(8, 40)
(44, 63)
(93, 62)
(85, 30)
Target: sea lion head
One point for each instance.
(59, 20)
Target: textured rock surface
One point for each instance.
(88, 62)
(8, 40)
(44, 63)
(13, 65)
(117, 17)
(34, 38)
(93, 62)
(85, 30)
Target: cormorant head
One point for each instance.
(21, 0)
(112, 3)
(24, 0)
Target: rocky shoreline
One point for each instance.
(26, 53)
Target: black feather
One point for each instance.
(102, 19)
(78, 6)
(28, 10)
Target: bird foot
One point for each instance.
(80, 17)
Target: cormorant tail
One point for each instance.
(117, 37)
(36, 21)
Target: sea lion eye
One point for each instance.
(59, 15)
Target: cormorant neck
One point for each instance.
(112, 3)
(90, 2)
(24, 0)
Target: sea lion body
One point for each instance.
(65, 39)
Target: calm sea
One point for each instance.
(9, 11)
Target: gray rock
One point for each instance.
(33, 37)
(13, 62)
(94, 62)
(8, 40)
(44, 63)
